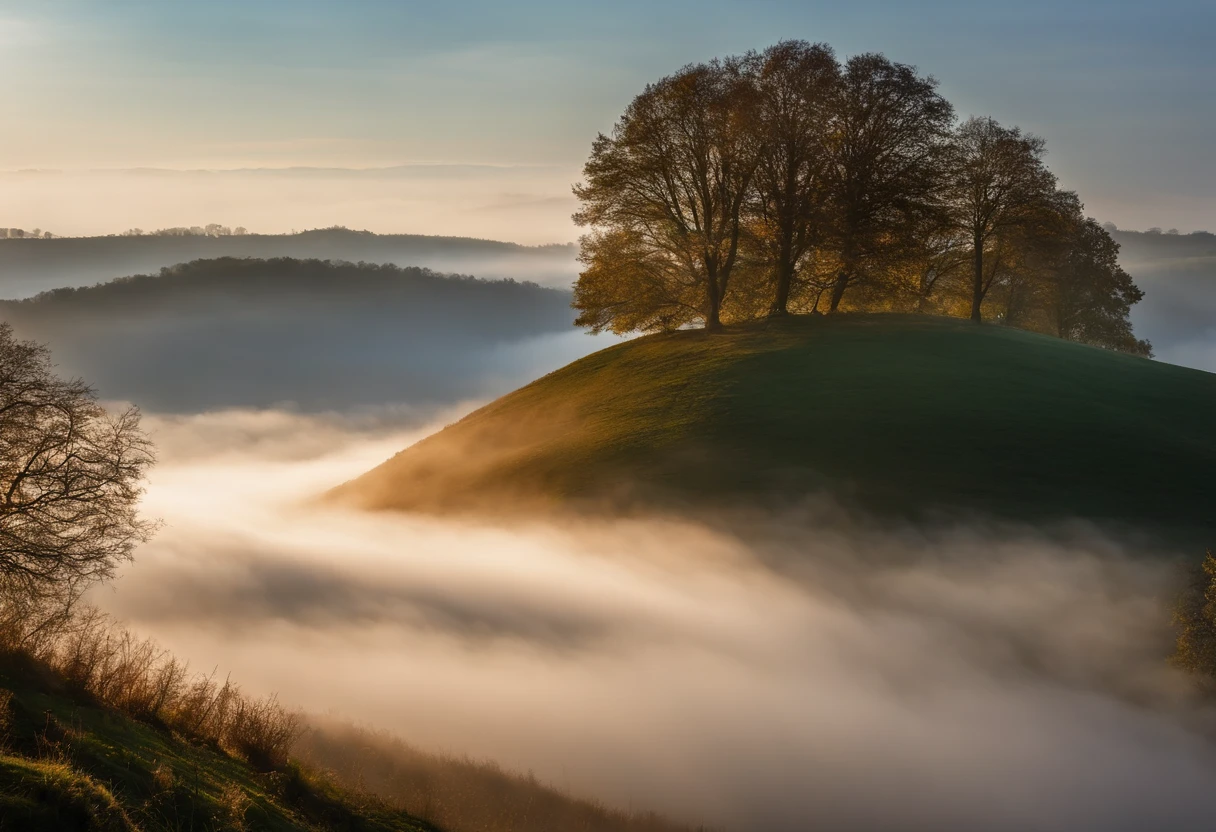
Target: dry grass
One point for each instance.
(101, 660)
(105, 661)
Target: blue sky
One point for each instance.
(1125, 94)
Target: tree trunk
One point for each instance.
(928, 280)
(977, 284)
(713, 304)
(842, 283)
(785, 277)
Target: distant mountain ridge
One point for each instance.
(28, 266)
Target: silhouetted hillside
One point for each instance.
(321, 335)
(31, 266)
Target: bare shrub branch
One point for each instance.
(71, 477)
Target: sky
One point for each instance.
(1122, 92)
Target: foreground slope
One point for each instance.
(900, 415)
(67, 763)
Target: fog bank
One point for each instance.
(529, 204)
(826, 675)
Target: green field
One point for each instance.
(900, 416)
(69, 765)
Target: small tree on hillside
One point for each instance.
(70, 481)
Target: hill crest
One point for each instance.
(897, 415)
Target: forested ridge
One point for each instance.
(790, 181)
(29, 266)
(319, 334)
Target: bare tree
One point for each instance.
(70, 479)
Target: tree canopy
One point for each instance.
(787, 181)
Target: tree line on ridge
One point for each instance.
(787, 181)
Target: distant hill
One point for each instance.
(321, 335)
(902, 416)
(28, 266)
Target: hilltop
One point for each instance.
(905, 416)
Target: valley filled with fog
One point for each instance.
(634, 417)
(655, 663)
(725, 678)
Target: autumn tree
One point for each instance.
(1092, 295)
(663, 197)
(997, 183)
(935, 258)
(887, 152)
(70, 480)
(1195, 621)
(761, 184)
(796, 86)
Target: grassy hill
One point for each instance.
(899, 415)
(67, 763)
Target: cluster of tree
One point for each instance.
(22, 234)
(212, 229)
(786, 181)
(1173, 232)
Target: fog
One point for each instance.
(822, 673)
(1178, 275)
(526, 204)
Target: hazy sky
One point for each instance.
(1123, 92)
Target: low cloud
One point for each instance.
(817, 675)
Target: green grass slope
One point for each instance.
(68, 764)
(898, 415)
